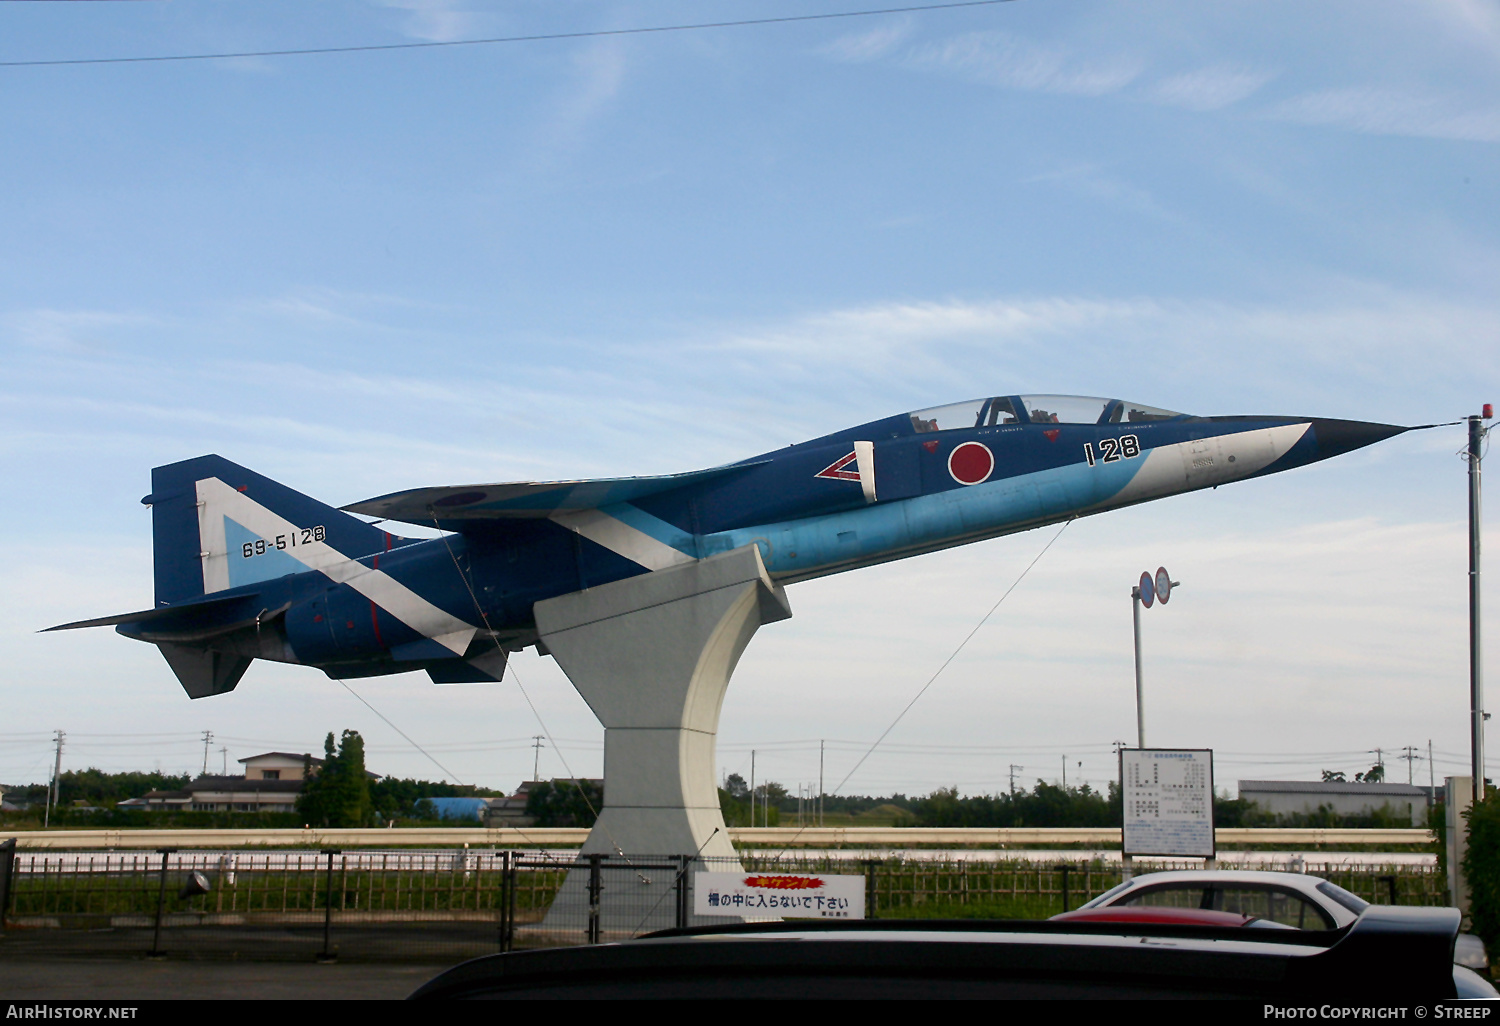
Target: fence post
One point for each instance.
(683, 861)
(870, 865)
(161, 903)
(504, 938)
(1390, 882)
(594, 889)
(515, 884)
(1064, 870)
(328, 954)
(7, 872)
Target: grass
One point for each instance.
(136, 893)
(1022, 906)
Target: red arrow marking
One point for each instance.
(836, 471)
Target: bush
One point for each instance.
(1046, 805)
(1482, 867)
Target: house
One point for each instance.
(511, 811)
(222, 794)
(16, 800)
(271, 783)
(1345, 798)
(278, 766)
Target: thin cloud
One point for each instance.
(1379, 111)
(1011, 62)
(1208, 89)
(1089, 180)
(861, 47)
(439, 21)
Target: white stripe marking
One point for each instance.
(864, 462)
(216, 500)
(622, 539)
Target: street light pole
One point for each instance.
(1140, 695)
(1148, 592)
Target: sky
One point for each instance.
(646, 253)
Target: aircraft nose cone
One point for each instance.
(1340, 436)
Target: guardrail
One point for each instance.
(823, 837)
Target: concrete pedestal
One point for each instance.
(652, 656)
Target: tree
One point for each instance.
(1333, 776)
(1481, 866)
(736, 786)
(565, 803)
(338, 795)
(772, 793)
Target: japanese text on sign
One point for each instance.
(784, 895)
(1168, 801)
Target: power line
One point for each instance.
(398, 730)
(954, 655)
(536, 38)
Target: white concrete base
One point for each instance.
(652, 656)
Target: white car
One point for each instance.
(1291, 899)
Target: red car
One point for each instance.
(1166, 914)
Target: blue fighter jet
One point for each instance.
(249, 569)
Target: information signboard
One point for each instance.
(1169, 807)
(782, 895)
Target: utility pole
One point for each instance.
(1431, 778)
(224, 754)
(1013, 768)
(820, 783)
(1409, 753)
(752, 787)
(208, 738)
(1477, 431)
(1065, 772)
(1379, 754)
(55, 791)
(536, 757)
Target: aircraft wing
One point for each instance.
(523, 499)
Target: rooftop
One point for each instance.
(1331, 787)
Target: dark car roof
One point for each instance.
(992, 959)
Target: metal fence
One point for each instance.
(1032, 890)
(444, 906)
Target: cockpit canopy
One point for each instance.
(1035, 409)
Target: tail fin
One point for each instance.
(205, 510)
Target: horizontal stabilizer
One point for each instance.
(186, 609)
(204, 672)
(200, 634)
(449, 506)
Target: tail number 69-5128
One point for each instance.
(298, 535)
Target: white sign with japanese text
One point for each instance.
(1169, 801)
(782, 895)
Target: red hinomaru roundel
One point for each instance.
(971, 463)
